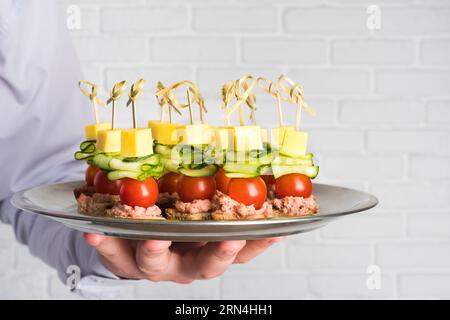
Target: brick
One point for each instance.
(193, 49)
(325, 20)
(270, 285)
(89, 21)
(412, 83)
(373, 52)
(395, 111)
(435, 52)
(23, 285)
(144, 19)
(340, 141)
(429, 167)
(271, 259)
(413, 255)
(235, 19)
(363, 168)
(411, 195)
(438, 112)
(201, 289)
(111, 49)
(280, 50)
(331, 81)
(420, 20)
(368, 225)
(401, 141)
(424, 285)
(348, 285)
(427, 224)
(335, 256)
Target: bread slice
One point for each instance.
(173, 214)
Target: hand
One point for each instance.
(178, 262)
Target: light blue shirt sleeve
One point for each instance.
(41, 125)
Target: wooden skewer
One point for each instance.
(191, 117)
(133, 108)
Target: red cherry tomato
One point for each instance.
(294, 185)
(139, 193)
(222, 181)
(168, 182)
(89, 176)
(103, 185)
(192, 188)
(269, 179)
(248, 191)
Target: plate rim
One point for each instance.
(19, 201)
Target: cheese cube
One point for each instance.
(294, 143)
(264, 135)
(109, 140)
(223, 138)
(136, 143)
(278, 134)
(196, 134)
(247, 138)
(165, 132)
(91, 130)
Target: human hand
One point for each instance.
(178, 262)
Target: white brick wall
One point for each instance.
(383, 103)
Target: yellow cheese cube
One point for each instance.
(136, 143)
(91, 130)
(247, 138)
(264, 135)
(109, 140)
(278, 134)
(165, 132)
(294, 143)
(196, 134)
(223, 138)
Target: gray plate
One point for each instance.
(57, 202)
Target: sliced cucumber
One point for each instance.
(163, 150)
(240, 175)
(282, 160)
(209, 170)
(102, 161)
(109, 162)
(118, 174)
(170, 164)
(247, 168)
(280, 170)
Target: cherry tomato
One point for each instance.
(222, 181)
(192, 188)
(89, 176)
(294, 185)
(269, 179)
(103, 185)
(248, 191)
(139, 193)
(168, 182)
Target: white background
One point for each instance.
(383, 104)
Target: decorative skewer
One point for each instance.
(272, 89)
(115, 94)
(296, 97)
(132, 95)
(242, 97)
(92, 97)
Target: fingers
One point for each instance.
(116, 254)
(254, 248)
(212, 260)
(155, 259)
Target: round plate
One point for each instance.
(58, 202)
